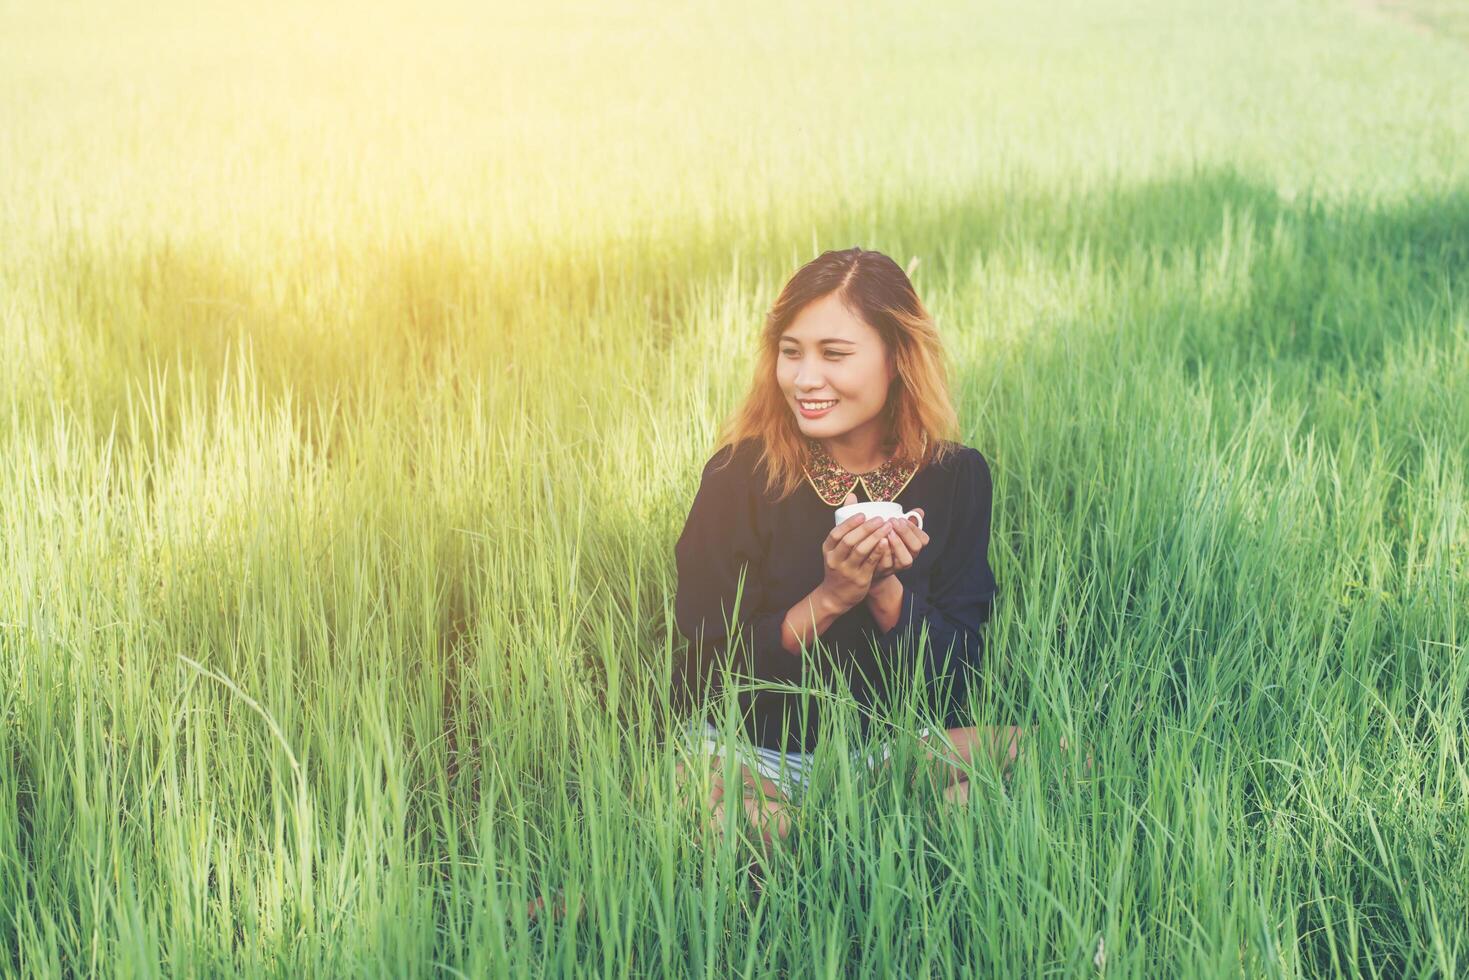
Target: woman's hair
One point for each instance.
(918, 417)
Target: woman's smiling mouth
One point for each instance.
(815, 409)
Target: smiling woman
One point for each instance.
(850, 404)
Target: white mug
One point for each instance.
(878, 508)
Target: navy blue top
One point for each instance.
(735, 527)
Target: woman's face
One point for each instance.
(831, 357)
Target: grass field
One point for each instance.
(358, 371)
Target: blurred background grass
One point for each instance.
(367, 359)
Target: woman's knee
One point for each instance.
(775, 820)
(765, 806)
(691, 779)
(948, 756)
(988, 743)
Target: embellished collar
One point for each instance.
(832, 482)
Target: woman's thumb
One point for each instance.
(851, 498)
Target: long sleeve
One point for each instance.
(956, 600)
(719, 555)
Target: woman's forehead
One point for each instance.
(828, 319)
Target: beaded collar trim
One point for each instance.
(832, 482)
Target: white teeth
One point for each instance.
(817, 406)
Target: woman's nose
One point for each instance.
(806, 381)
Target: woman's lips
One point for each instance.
(816, 413)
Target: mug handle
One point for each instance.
(916, 516)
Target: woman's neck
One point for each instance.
(856, 452)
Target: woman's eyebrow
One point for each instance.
(823, 340)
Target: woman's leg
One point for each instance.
(947, 760)
(998, 744)
(765, 806)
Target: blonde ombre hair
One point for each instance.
(919, 417)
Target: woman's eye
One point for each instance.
(830, 355)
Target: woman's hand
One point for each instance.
(905, 540)
(851, 553)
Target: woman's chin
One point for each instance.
(813, 425)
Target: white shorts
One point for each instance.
(791, 771)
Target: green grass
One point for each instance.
(358, 370)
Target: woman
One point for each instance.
(849, 403)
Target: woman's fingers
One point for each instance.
(839, 533)
(895, 543)
(902, 557)
(885, 566)
(911, 535)
(867, 549)
(859, 542)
